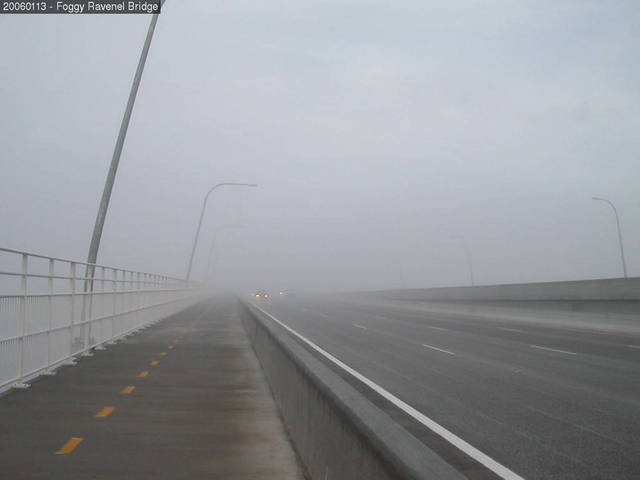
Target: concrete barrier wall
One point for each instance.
(338, 433)
(607, 290)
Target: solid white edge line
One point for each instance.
(553, 349)
(359, 326)
(470, 450)
(436, 348)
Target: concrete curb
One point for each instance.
(337, 431)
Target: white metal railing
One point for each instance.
(53, 309)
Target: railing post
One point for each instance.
(145, 288)
(113, 310)
(121, 290)
(140, 313)
(23, 320)
(114, 289)
(48, 371)
(116, 305)
(125, 298)
(130, 297)
(103, 277)
(89, 314)
(102, 310)
(72, 299)
(155, 288)
(85, 320)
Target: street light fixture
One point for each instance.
(204, 206)
(615, 211)
(468, 256)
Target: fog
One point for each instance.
(377, 131)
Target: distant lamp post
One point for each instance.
(615, 212)
(204, 206)
(468, 257)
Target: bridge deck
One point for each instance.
(202, 411)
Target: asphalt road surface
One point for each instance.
(547, 403)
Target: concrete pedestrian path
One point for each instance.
(184, 399)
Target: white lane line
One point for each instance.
(435, 328)
(323, 315)
(553, 349)
(360, 326)
(633, 346)
(438, 349)
(509, 329)
(490, 463)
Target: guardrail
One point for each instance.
(53, 309)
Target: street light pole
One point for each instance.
(101, 216)
(204, 206)
(115, 159)
(468, 256)
(615, 211)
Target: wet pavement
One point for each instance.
(183, 399)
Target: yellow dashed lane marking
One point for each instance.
(128, 390)
(143, 374)
(105, 412)
(70, 446)
(154, 363)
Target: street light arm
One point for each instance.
(615, 212)
(225, 184)
(202, 210)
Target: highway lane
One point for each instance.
(547, 403)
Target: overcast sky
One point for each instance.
(377, 131)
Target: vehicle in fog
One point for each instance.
(261, 295)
